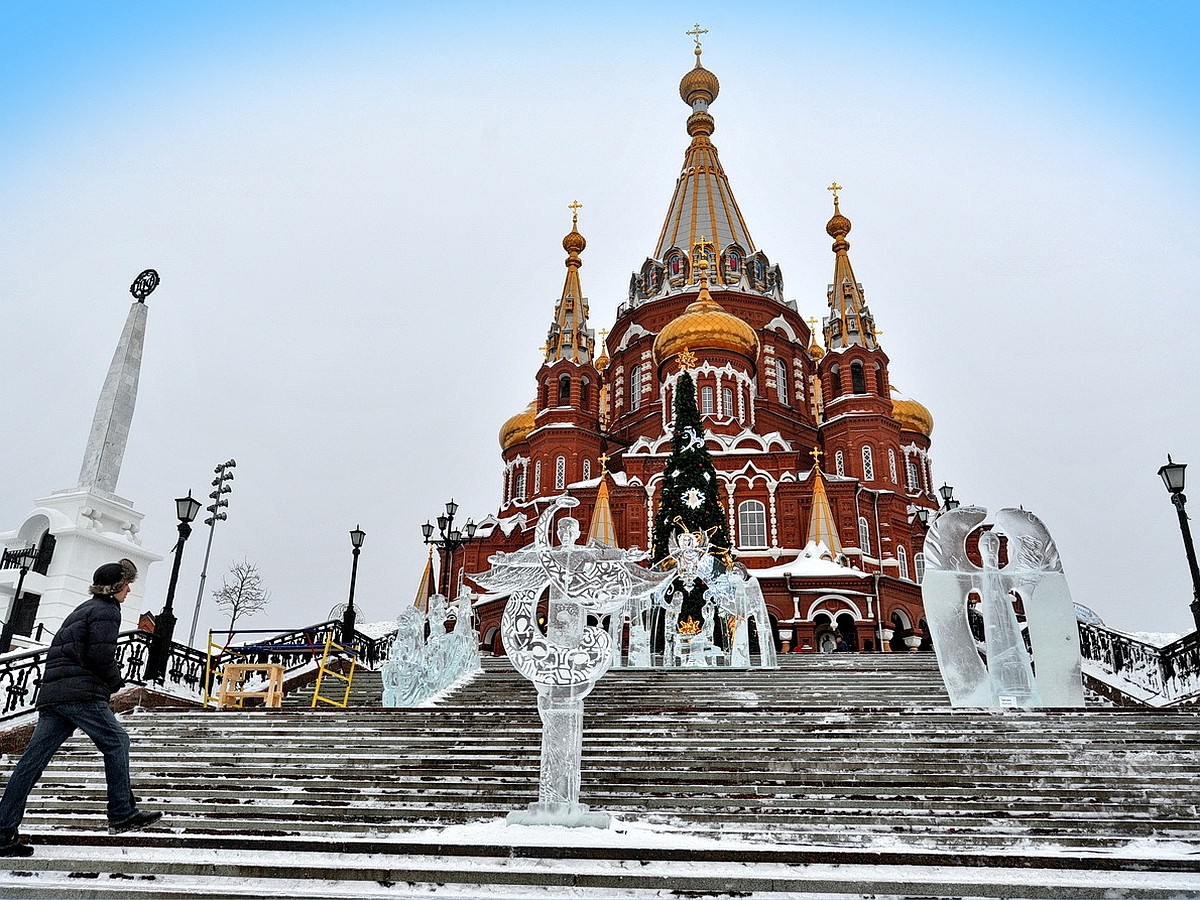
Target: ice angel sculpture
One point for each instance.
(566, 661)
(1033, 573)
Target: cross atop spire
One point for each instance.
(695, 31)
(835, 187)
(816, 453)
(574, 206)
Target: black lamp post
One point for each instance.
(948, 501)
(186, 509)
(1172, 476)
(923, 514)
(27, 556)
(357, 536)
(448, 540)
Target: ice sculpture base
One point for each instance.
(570, 815)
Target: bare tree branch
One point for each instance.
(242, 592)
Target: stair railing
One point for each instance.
(1170, 673)
(189, 673)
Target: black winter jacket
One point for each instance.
(82, 663)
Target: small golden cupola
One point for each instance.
(704, 325)
(517, 428)
(911, 415)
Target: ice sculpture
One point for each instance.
(419, 667)
(567, 660)
(1033, 573)
(732, 600)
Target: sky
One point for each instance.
(356, 210)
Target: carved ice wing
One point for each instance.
(946, 543)
(516, 572)
(1030, 547)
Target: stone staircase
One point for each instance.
(841, 775)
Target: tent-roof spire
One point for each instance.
(703, 202)
(822, 528)
(602, 529)
(849, 322)
(569, 337)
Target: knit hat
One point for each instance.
(112, 578)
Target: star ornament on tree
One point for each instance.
(692, 498)
(686, 360)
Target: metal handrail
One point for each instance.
(189, 672)
(1171, 673)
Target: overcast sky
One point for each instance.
(357, 212)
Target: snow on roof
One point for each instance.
(814, 561)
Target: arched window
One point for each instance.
(706, 401)
(560, 473)
(587, 469)
(635, 387)
(564, 389)
(919, 565)
(781, 381)
(839, 463)
(752, 524)
(835, 381)
(881, 387)
(892, 465)
(585, 392)
(520, 490)
(727, 402)
(868, 464)
(864, 536)
(858, 380)
(913, 482)
(545, 393)
(902, 556)
(537, 478)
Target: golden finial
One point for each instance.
(686, 360)
(603, 333)
(574, 206)
(604, 458)
(816, 454)
(694, 32)
(812, 324)
(835, 187)
(545, 348)
(702, 247)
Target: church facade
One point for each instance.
(824, 467)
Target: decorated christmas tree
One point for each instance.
(689, 501)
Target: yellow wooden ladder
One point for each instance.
(331, 647)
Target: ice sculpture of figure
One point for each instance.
(740, 601)
(566, 662)
(1034, 573)
(418, 666)
(404, 671)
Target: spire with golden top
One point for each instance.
(427, 586)
(602, 529)
(822, 527)
(702, 204)
(569, 337)
(850, 322)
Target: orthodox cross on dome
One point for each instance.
(686, 360)
(812, 323)
(574, 206)
(835, 187)
(694, 32)
(701, 250)
(604, 458)
(816, 454)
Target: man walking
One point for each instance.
(81, 674)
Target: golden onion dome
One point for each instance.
(911, 415)
(699, 83)
(704, 325)
(518, 427)
(574, 243)
(838, 226)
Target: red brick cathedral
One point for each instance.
(823, 466)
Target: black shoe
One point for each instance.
(10, 845)
(135, 822)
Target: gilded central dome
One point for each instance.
(911, 415)
(518, 427)
(704, 325)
